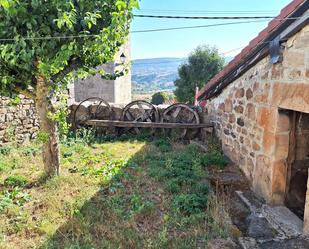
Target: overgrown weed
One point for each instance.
(127, 192)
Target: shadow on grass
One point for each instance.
(157, 199)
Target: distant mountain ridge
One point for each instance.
(155, 74)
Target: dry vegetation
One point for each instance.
(124, 193)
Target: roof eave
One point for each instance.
(239, 66)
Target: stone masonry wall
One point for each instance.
(247, 119)
(113, 91)
(17, 123)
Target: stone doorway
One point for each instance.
(297, 163)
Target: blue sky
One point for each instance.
(179, 43)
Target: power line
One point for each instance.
(195, 27)
(137, 31)
(208, 11)
(233, 50)
(212, 25)
(206, 17)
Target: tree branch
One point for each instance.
(72, 65)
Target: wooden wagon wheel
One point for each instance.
(139, 111)
(180, 113)
(91, 108)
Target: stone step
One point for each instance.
(283, 220)
(249, 205)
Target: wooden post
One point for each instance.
(195, 96)
(306, 213)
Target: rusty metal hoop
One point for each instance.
(181, 113)
(140, 111)
(94, 108)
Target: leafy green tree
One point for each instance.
(159, 98)
(46, 44)
(202, 64)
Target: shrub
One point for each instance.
(13, 196)
(214, 159)
(15, 181)
(5, 150)
(159, 98)
(163, 145)
(30, 151)
(189, 203)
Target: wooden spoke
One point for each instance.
(140, 107)
(98, 108)
(149, 114)
(129, 115)
(191, 118)
(139, 111)
(180, 113)
(84, 111)
(176, 112)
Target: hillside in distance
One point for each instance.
(149, 75)
(157, 74)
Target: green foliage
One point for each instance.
(3, 166)
(158, 188)
(31, 151)
(5, 150)
(139, 206)
(15, 181)
(214, 158)
(203, 63)
(189, 203)
(60, 116)
(14, 196)
(84, 136)
(182, 174)
(163, 144)
(159, 98)
(94, 30)
(15, 101)
(42, 137)
(54, 42)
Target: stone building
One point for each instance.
(114, 91)
(259, 104)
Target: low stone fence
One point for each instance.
(18, 121)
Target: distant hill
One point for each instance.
(155, 74)
(150, 75)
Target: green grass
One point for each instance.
(112, 193)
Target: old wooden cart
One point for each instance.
(138, 116)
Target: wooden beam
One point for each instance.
(130, 124)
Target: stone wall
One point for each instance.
(246, 114)
(19, 122)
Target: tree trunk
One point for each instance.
(51, 149)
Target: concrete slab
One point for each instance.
(282, 219)
(296, 243)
